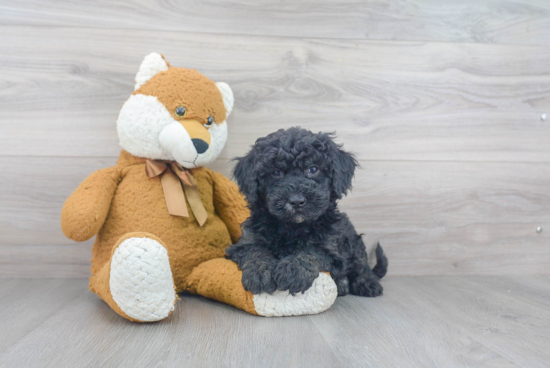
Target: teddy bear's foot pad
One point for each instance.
(141, 282)
(318, 298)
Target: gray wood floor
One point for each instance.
(443, 321)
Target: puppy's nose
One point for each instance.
(200, 145)
(297, 200)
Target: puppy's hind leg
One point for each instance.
(366, 285)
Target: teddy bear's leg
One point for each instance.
(220, 279)
(137, 281)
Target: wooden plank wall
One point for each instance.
(440, 101)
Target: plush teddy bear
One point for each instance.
(163, 221)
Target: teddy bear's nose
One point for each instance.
(200, 145)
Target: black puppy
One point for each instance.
(292, 179)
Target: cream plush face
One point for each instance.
(175, 114)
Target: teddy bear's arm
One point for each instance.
(230, 204)
(87, 207)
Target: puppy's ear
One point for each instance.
(246, 175)
(343, 169)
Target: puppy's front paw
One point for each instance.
(343, 286)
(258, 277)
(291, 275)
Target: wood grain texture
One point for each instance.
(495, 316)
(62, 90)
(431, 217)
(32, 193)
(26, 304)
(433, 321)
(529, 289)
(488, 21)
(454, 153)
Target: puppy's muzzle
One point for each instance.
(296, 200)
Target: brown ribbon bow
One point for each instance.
(173, 176)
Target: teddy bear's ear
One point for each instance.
(152, 64)
(227, 95)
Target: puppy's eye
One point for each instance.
(180, 111)
(209, 122)
(313, 170)
(277, 173)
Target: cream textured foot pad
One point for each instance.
(141, 280)
(318, 298)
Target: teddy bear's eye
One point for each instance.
(209, 122)
(180, 111)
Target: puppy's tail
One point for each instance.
(381, 263)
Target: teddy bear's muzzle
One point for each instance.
(200, 136)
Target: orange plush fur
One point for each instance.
(121, 201)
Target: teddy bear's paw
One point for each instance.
(318, 298)
(141, 281)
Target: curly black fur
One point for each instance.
(292, 180)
